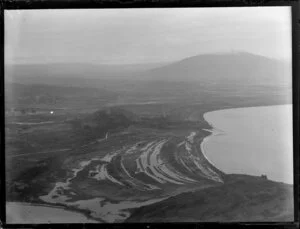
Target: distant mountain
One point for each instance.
(114, 77)
(19, 72)
(203, 76)
(227, 68)
(210, 76)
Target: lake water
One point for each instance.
(254, 141)
(24, 213)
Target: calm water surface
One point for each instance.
(26, 213)
(254, 141)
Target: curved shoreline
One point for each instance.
(238, 108)
(215, 131)
(203, 150)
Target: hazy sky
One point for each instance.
(124, 36)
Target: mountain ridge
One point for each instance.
(236, 68)
(233, 69)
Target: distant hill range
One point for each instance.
(226, 68)
(202, 77)
(233, 68)
(213, 77)
(72, 74)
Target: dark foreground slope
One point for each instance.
(241, 198)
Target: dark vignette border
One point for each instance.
(85, 4)
(61, 4)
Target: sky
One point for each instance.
(153, 35)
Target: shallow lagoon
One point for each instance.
(24, 213)
(252, 140)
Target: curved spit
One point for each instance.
(143, 168)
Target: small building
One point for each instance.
(263, 176)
